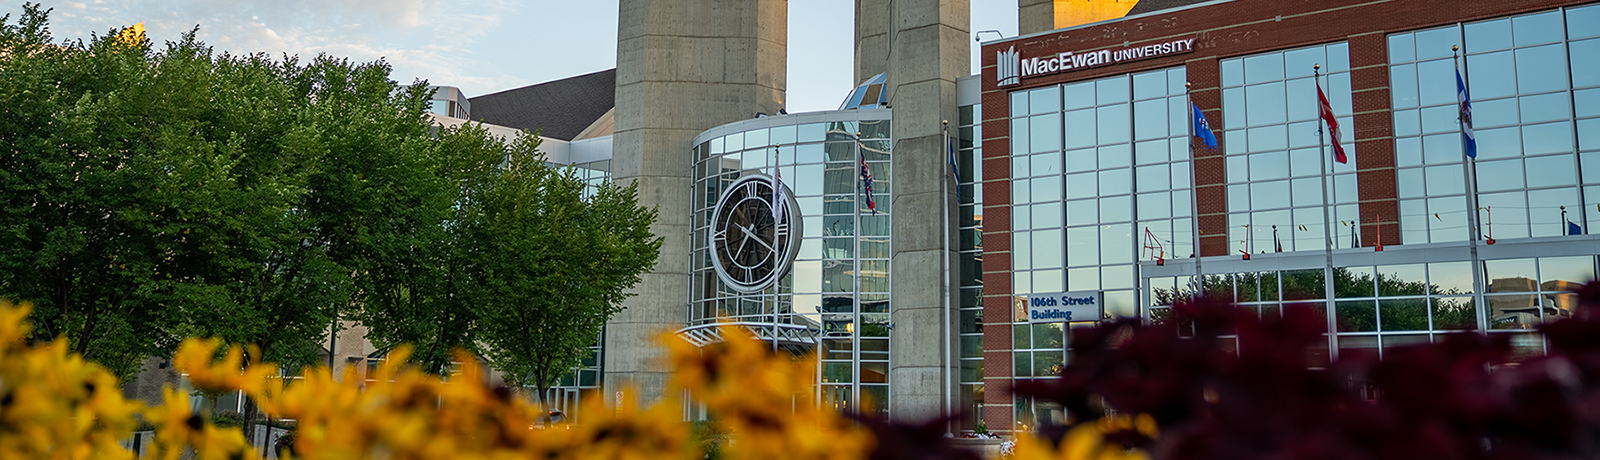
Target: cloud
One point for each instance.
(432, 39)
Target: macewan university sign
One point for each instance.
(1011, 67)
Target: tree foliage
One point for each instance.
(551, 265)
(152, 194)
(148, 195)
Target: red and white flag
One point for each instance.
(1325, 111)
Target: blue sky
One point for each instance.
(481, 46)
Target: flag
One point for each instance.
(1325, 111)
(777, 190)
(866, 183)
(1466, 116)
(1203, 129)
(953, 168)
(1276, 244)
(1574, 229)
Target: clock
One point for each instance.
(750, 247)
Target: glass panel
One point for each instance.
(1512, 275)
(1353, 282)
(1453, 313)
(1499, 143)
(1078, 95)
(1433, 44)
(1491, 35)
(1111, 90)
(1044, 133)
(1303, 284)
(1048, 336)
(1493, 176)
(1356, 316)
(1516, 311)
(1583, 22)
(1047, 363)
(1546, 138)
(1402, 280)
(1113, 124)
(1541, 68)
(1264, 104)
(1080, 128)
(1403, 87)
(1263, 68)
(1044, 100)
(1536, 28)
(1565, 273)
(1585, 69)
(1398, 341)
(1403, 315)
(1150, 84)
(1493, 83)
(1401, 48)
(1019, 104)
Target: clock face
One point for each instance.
(750, 248)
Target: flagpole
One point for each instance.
(1468, 172)
(855, 256)
(945, 196)
(1327, 221)
(777, 282)
(1194, 197)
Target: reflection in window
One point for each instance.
(1521, 72)
(1269, 108)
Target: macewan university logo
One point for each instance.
(1010, 66)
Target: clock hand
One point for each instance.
(742, 242)
(752, 235)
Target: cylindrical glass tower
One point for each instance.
(835, 297)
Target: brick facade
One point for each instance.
(1221, 31)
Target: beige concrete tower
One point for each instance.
(683, 66)
(1041, 15)
(872, 39)
(1035, 16)
(929, 42)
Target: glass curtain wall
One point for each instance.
(819, 165)
(1075, 223)
(1100, 178)
(1378, 308)
(969, 155)
(1274, 160)
(1532, 79)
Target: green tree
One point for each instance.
(153, 195)
(548, 266)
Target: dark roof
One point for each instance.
(561, 108)
(1146, 6)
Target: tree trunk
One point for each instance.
(249, 412)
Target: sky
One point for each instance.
(480, 46)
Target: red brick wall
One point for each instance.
(1221, 31)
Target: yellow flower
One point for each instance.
(1086, 441)
(194, 357)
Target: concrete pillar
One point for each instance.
(683, 66)
(1042, 15)
(1035, 16)
(929, 51)
(872, 39)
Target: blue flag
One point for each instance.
(1466, 116)
(953, 168)
(1574, 229)
(1203, 129)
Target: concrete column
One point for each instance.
(1042, 15)
(872, 39)
(930, 40)
(683, 66)
(1035, 16)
